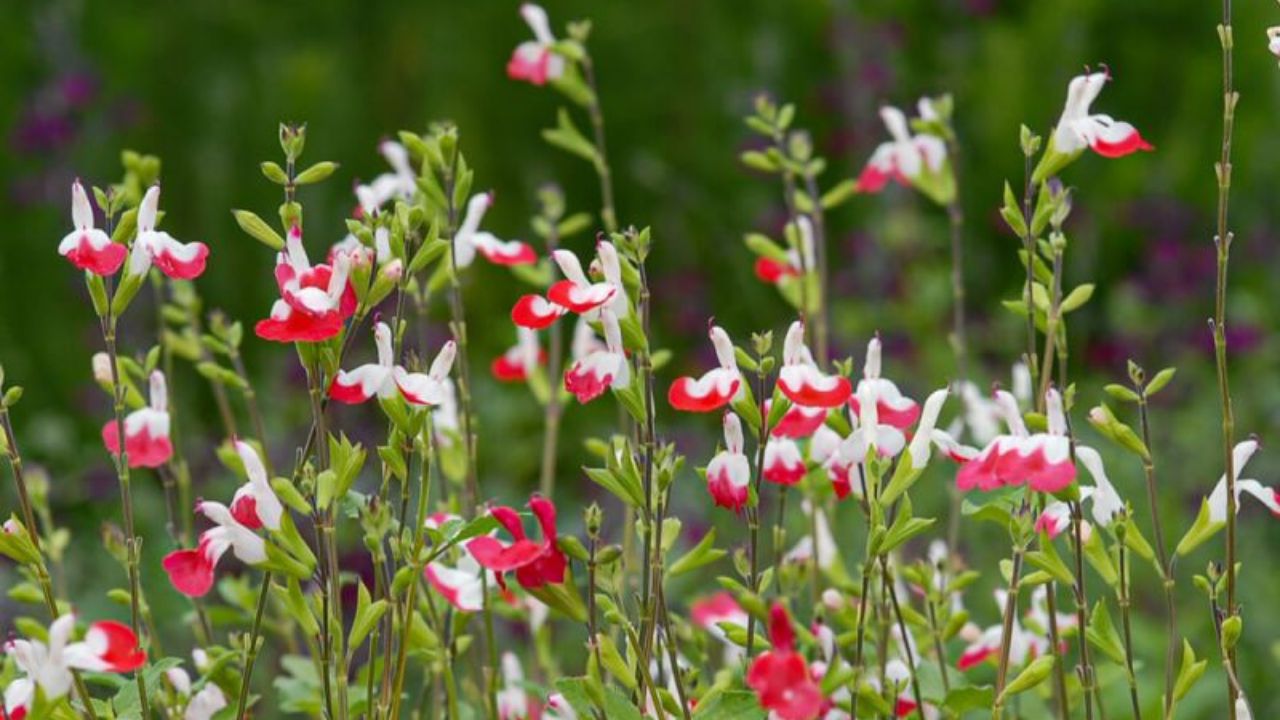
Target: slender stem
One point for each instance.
(1029, 247)
(1006, 635)
(1128, 632)
(1222, 239)
(938, 648)
(608, 213)
(251, 651)
(822, 333)
(1162, 553)
(652, 535)
(672, 655)
(906, 636)
(753, 515)
(419, 536)
(1082, 610)
(1059, 673)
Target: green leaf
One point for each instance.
(1031, 676)
(258, 229)
(729, 705)
(616, 483)
(704, 553)
(315, 173)
(1190, 671)
(965, 699)
(1120, 392)
(1102, 634)
(567, 137)
(1078, 296)
(1161, 379)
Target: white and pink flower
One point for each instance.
(399, 184)
(892, 407)
(314, 301)
(729, 472)
(600, 369)
(1268, 496)
(535, 61)
(1106, 502)
(903, 158)
(802, 381)
(385, 379)
(87, 247)
(146, 430)
(181, 261)
(1077, 129)
(1041, 461)
(520, 360)
(470, 239)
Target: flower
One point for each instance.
(801, 380)
(1077, 128)
(927, 435)
(780, 676)
(470, 238)
(314, 301)
(180, 261)
(1024, 645)
(146, 430)
(536, 61)
(904, 158)
(729, 472)
(513, 699)
(558, 708)
(401, 183)
(775, 271)
(892, 407)
(783, 464)
(385, 379)
(1042, 461)
(462, 585)
(1273, 40)
(1240, 456)
(204, 704)
(799, 421)
(588, 377)
(535, 564)
(520, 360)
(108, 646)
(716, 388)
(1107, 503)
(576, 292)
(87, 247)
(536, 312)
(254, 506)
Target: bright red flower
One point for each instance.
(314, 301)
(535, 564)
(87, 247)
(781, 677)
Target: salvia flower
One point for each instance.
(1041, 461)
(1106, 502)
(802, 381)
(904, 158)
(470, 239)
(462, 585)
(783, 463)
(513, 698)
(1024, 645)
(314, 301)
(1268, 496)
(591, 375)
(1078, 129)
(87, 247)
(535, 61)
(798, 421)
(535, 563)
(181, 261)
(775, 271)
(400, 183)
(146, 430)
(203, 705)
(892, 407)
(576, 292)
(729, 472)
(520, 360)
(716, 388)
(254, 506)
(780, 676)
(108, 646)
(385, 379)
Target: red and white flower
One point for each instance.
(146, 430)
(204, 704)
(801, 380)
(462, 585)
(591, 375)
(314, 301)
(386, 379)
(576, 292)
(716, 388)
(1041, 461)
(928, 436)
(892, 407)
(774, 271)
(1268, 496)
(535, 564)
(513, 698)
(181, 261)
(470, 239)
(254, 506)
(87, 247)
(1024, 645)
(799, 421)
(1077, 129)
(781, 678)
(903, 158)
(536, 61)
(819, 545)
(520, 360)
(729, 472)
(108, 646)
(557, 708)
(1106, 502)
(783, 463)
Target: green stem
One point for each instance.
(1166, 565)
(1128, 632)
(608, 214)
(251, 651)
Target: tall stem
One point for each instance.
(1082, 610)
(1166, 566)
(1128, 633)
(251, 654)
(822, 333)
(1222, 239)
(753, 515)
(608, 213)
(905, 633)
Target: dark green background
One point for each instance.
(203, 84)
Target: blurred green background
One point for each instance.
(204, 84)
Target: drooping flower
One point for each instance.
(386, 379)
(798, 421)
(729, 472)
(775, 271)
(1024, 645)
(146, 430)
(576, 292)
(254, 506)
(87, 247)
(462, 585)
(717, 387)
(1078, 129)
(1268, 496)
(314, 301)
(400, 183)
(1107, 503)
(535, 564)
(783, 463)
(470, 239)
(780, 676)
(902, 159)
(108, 646)
(928, 436)
(181, 261)
(535, 61)
(802, 381)
(591, 375)
(1041, 461)
(892, 407)
(520, 360)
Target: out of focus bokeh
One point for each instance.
(203, 85)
